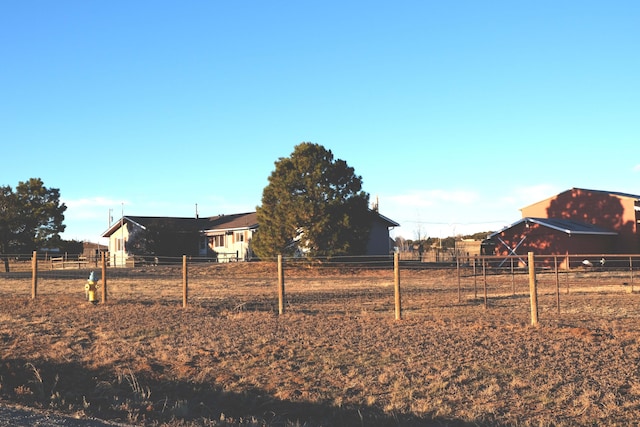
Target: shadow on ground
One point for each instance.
(143, 400)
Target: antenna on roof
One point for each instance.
(197, 215)
(376, 205)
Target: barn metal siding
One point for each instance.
(609, 210)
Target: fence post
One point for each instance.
(533, 289)
(280, 286)
(567, 271)
(631, 271)
(34, 275)
(475, 278)
(104, 277)
(459, 289)
(484, 278)
(185, 289)
(555, 262)
(513, 279)
(396, 285)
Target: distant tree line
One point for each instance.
(429, 243)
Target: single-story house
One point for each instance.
(229, 236)
(223, 237)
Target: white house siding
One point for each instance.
(230, 245)
(117, 243)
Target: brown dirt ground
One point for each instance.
(336, 357)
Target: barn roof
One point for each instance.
(615, 193)
(568, 226)
(635, 197)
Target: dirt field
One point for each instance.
(336, 357)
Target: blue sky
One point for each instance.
(456, 114)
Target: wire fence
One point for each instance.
(603, 285)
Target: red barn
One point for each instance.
(551, 236)
(576, 221)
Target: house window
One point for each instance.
(217, 241)
(239, 236)
(118, 244)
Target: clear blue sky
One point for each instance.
(455, 113)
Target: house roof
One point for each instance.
(567, 226)
(219, 222)
(232, 222)
(207, 224)
(387, 221)
(175, 223)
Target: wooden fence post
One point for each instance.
(533, 289)
(459, 286)
(104, 277)
(484, 278)
(555, 262)
(34, 275)
(396, 283)
(513, 279)
(280, 286)
(631, 271)
(185, 289)
(567, 271)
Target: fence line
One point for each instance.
(360, 282)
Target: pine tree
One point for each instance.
(30, 217)
(313, 203)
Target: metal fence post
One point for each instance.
(475, 278)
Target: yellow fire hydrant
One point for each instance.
(91, 289)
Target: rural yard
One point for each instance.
(335, 357)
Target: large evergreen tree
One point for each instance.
(30, 217)
(313, 203)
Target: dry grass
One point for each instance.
(336, 357)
